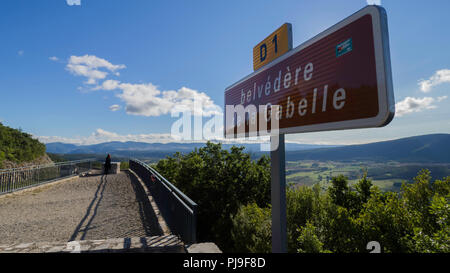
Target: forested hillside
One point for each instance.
(17, 146)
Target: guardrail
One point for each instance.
(12, 180)
(178, 210)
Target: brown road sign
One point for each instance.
(340, 79)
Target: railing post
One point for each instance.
(194, 224)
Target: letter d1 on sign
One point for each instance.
(272, 47)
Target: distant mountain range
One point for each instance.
(142, 149)
(425, 148)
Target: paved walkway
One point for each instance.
(95, 207)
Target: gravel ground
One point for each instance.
(85, 208)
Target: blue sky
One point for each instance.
(99, 70)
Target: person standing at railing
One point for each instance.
(107, 164)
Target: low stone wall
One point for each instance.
(115, 167)
(153, 244)
(203, 248)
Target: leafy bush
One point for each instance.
(252, 229)
(233, 197)
(342, 219)
(438, 240)
(309, 241)
(124, 165)
(220, 182)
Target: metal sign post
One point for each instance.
(278, 195)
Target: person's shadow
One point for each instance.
(97, 197)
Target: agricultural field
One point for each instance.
(387, 176)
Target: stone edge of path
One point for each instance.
(151, 244)
(203, 248)
(206, 247)
(162, 223)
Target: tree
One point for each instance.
(386, 220)
(252, 229)
(417, 197)
(439, 240)
(339, 190)
(341, 232)
(342, 195)
(309, 240)
(363, 188)
(220, 182)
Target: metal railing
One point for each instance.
(12, 180)
(178, 210)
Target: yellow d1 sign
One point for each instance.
(275, 45)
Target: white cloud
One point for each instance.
(100, 136)
(374, 2)
(94, 62)
(53, 58)
(411, 105)
(107, 85)
(89, 66)
(439, 77)
(73, 2)
(439, 99)
(114, 107)
(148, 100)
(144, 99)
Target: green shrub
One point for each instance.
(219, 181)
(252, 229)
(124, 165)
(342, 219)
(309, 240)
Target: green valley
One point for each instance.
(388, 176)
